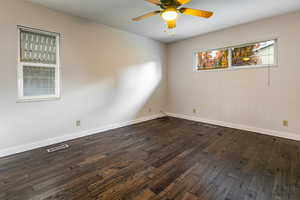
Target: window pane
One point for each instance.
(37, 47)
(262, 53)
(212, 59)
(38, 81)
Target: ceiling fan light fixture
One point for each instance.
(170, 14)
(170, 10)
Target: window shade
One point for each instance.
(38, 48)
(38, 81)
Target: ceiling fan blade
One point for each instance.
(171, 24)
(146, 15)
(195, 12)
(182, 2)
(156, 2)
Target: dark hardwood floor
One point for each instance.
(167, 159)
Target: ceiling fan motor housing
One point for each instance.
(169, 3)
(171, 9)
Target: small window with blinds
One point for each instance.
(257, 54)
(38, 70)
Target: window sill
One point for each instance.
(236, 68)
(37, 99)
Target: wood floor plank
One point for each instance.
(162, 159)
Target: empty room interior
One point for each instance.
(150, 100)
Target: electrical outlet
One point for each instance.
(194, 111)
(149, 110)
(78, 123)
(285, 123)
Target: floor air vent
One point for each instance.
(58, 148)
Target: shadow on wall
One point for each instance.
(123, 71)
(115, 98)
(126, 93)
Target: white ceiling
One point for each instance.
(118, 14)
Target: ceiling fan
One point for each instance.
(171, 9)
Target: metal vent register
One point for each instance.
(58, 148)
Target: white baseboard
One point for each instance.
(51, 141)
(287, 135)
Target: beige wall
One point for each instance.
(108, 76)
(243, 96)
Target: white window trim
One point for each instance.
(230, 66)
(21, 97)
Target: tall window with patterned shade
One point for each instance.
(38, 69)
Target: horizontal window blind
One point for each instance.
(38, 81)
